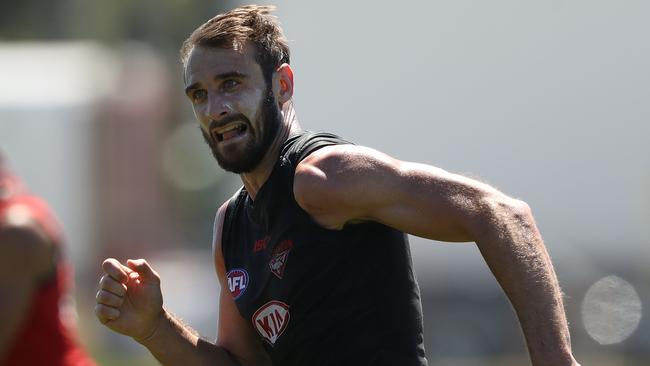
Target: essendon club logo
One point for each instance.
(260, 244)
(279, 257)
(271, 320)
(237, 282)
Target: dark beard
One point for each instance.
(270, 119)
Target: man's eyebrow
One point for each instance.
(225, 75)
(231, 74)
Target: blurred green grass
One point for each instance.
(114, 359)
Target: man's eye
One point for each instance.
(199, 95)
(229, 84)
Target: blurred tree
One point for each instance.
(162, 23)
(22, 20)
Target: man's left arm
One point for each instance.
(341, 185)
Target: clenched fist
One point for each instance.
(129, 300)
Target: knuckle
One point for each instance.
(108, 264)
(113, 269)
(107, 298)
(108, 283)
(105, 313)
(103, 281)
(100, 313)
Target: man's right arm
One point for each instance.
(129, 302)
(235, 333)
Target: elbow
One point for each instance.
(500, 211)
(499, 203)
(506, 223)
(518, 209)
(521, 212)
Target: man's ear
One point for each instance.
(283, 83)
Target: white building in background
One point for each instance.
(49, 114)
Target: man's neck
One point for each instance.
(255, 179)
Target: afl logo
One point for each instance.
(237, 282)
(271, 320)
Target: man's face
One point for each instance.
(236, 109)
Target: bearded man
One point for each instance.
(308, 249)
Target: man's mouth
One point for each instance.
(229, 131)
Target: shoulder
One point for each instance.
(340, 178)
(217, 236)
(218, 220)
(339, 161)
(333, 166)
(24, 240)
(222, 211)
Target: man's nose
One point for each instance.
(218, 108)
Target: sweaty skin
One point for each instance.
(343, 184)
(336, 185)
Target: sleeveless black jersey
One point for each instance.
(317, 296)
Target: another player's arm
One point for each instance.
(26, 257)
(341, 185)
(130, 302)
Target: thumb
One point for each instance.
(144, 270)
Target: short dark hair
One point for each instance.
(252, 23)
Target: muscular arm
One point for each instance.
(130, 302)
(26, 255)
(345, 184)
